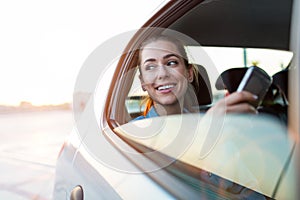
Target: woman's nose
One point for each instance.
(162, 72)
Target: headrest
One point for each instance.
(230, 79)
(203, 88)
(280, 79)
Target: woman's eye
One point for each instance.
(150, 67)
(172, 63)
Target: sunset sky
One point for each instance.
(43, 44)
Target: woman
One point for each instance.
(167, 76)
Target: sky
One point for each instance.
(44, 43)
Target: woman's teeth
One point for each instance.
(165, 87)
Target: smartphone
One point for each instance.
(256, 81)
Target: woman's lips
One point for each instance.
(165, 88)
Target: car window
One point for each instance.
(217, 60)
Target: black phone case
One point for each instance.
(256, 81)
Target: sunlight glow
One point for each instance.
(44, 43)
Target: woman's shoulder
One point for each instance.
(151, 113)
(139, 118)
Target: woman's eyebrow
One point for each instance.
(164, 57)
(149, 60)
(171, 55)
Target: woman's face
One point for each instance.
(163, 72)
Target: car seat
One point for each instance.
(202, 89)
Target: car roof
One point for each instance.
(247, 23)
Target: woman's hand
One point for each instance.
(237, 102)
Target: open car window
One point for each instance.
(215, 61)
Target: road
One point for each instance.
(29, 145)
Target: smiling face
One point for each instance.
(164, 74)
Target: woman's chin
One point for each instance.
(168, 101)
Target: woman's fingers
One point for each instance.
(241, 108)
(237, 102)
(239, 97)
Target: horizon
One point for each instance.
(28, 103)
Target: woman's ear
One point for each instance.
(142, 82)
(190, 75)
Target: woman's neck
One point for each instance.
(171, 109)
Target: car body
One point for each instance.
(109, 156)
